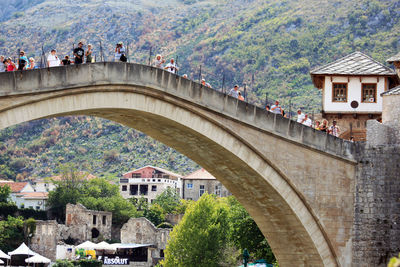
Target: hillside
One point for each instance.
(270, 45)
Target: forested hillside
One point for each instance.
(269, 45)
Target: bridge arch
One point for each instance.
(296, 235)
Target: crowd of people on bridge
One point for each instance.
(80, 56)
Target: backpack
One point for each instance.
(123, 58)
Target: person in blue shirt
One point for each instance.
(23, 60)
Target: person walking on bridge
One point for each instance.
(171, 66)
(52, 59)
(120, 53)
(276, 108)
(79, 53)
(159, 61)
(2, 64)
(234, 91)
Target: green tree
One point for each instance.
(246, 234)
(198, 240)
(11, 233)
(5, 192)
(168, 200)
(70, 189)
(155, 214)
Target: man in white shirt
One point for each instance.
(276, 108)
(300, 116)
(234, 91)
(334, 129)
(52, 59)
(171, 66)
(307, 121)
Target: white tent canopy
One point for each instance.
(87, 245)
(104, 246)
(22, 250)
(4, 255)
(37, 259)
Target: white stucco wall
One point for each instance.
(162, 185)
(27, 203)
(353, 93)
(44, 187)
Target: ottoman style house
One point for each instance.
(351, 91)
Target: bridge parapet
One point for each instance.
(115, 73)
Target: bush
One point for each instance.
(10, 209)
(88, 263)
(63, 263)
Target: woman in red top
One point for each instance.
(10, 65)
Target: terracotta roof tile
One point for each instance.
(356, 63)
(200, 174)
(15, 186)
(158, 169)
(34, 195)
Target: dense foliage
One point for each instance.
(214, 232)
(11, 233)
(5, 192)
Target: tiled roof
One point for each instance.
(356, 63)
(393, 58)
(84, 175)
(199, 175)
(15, 187)
(393, 91)
(158, 169)
(34, 195)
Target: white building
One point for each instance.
(351, 91)
(149, 182)
(24, 195)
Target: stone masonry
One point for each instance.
(84, 224)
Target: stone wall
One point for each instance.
(377, 199)
(83, 223)
(44, 241)
(209, 186)
(142, 231)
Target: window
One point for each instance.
(159, 180)
(104, 220)
(202, 190)
(133, 188)
(94, 219)
(136, 175)
(218, 190)
(161, 253)
(339, 92)
(124, 188)
(189, 186)
(144, 189)
(38, 207)
(368, 94)
(153, 188)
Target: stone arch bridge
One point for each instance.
(298, 184)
